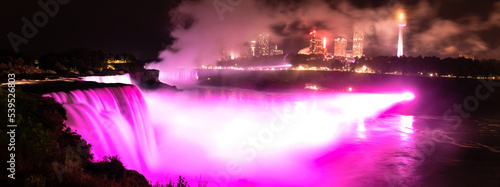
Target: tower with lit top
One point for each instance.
(252, 48)
(401, 24)
(324, 45)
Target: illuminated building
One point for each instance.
(316, 46)
(113, 64)
(328, 56)
(305, 51)
(349, 54)
(357, 43)
(340, 48)
(118, 61)
(466, 55)
(401, 24)
(252, 48)
(276, 51)
(263, 45)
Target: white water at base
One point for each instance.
(124, 79)
(269, 138)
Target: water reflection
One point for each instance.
(278, 139)
(361, 129)
(406, 127)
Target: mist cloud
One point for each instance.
(445, 37)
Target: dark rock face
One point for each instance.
(149, 79)
(146, 78)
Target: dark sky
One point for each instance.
(112, 25)
(142, 27)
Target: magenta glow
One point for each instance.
(259, 137)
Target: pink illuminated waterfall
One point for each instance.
(267, 138)
(124, 79)
(115, 120)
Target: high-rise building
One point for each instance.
(316, 46)
(401, 24)
(340, 47)
(357, 42)
(466, 55)
(263, 45)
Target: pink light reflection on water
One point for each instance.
(215, 123)
(272, 139)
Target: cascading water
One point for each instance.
(180, 76)
(124, 79)
(115, 120)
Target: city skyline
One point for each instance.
(317, 45)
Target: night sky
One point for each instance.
(147, 28)
(127, 26)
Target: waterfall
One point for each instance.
(208, 130)
(180, 76)
(114, 120)
(124, 79)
